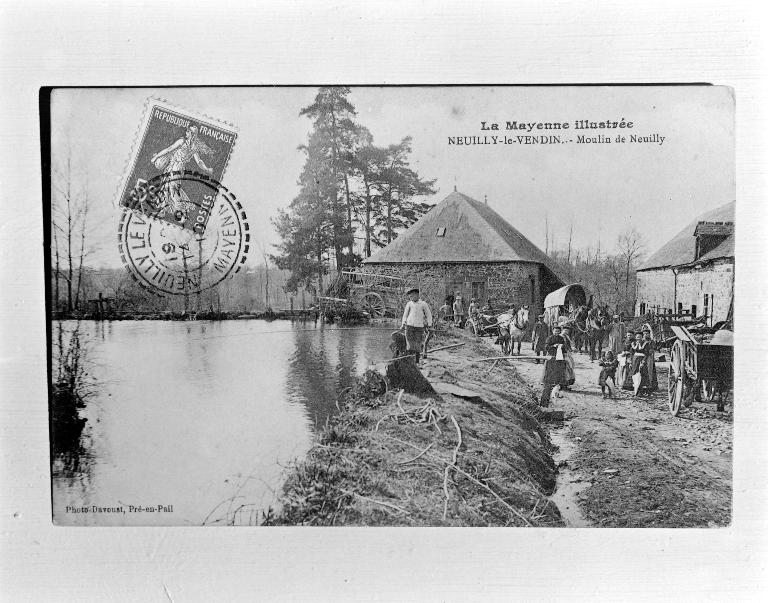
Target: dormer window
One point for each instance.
(709, 235)
(441, 231)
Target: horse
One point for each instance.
(596, 329)
(513, 327)
(579, 332)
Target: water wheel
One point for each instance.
(373, 303)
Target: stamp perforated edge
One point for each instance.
(141, 131)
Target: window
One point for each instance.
(693, 310)
(679, 307)
(642, 308)
(478, 292)
(441, 231)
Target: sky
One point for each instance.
(602, 189)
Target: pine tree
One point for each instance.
(398, 185)
(334, 135)
(306, 229)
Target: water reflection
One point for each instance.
(203, 416)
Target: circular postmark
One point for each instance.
(182, 233)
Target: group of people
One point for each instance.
(633, 357)
(417, 317)
(636, 364)
(452, 310)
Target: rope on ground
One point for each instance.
(400, 406)
(452, 465)
(418, 456)
(523, 358)
(501, 500)
(428, 413)
(471, 478)
(447, 347)
(378, 502)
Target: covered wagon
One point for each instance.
(563, 302)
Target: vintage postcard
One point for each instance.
(391, 305)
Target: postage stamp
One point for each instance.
(167, 259)
(173, 141)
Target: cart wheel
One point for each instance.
(675, 379)
(374, 305)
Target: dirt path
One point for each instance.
(630, 463)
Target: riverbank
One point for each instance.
(472, 454)
(291, 314)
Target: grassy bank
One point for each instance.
(70, 388)
(474, 457)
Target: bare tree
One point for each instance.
(69, 223)
(56, 265)
(570, 238)
(630, 247)
(265, 257)
(599, 228)
(83, 219)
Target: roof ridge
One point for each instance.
(680, 249)
(483, 235)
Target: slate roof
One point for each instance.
(473, 233)
(725, 249)
(681, 249)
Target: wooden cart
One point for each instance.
(698, 371)
(377, 294)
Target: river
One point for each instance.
(197, 422)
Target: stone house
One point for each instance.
(462, 246)
(694, 272)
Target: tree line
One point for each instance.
(349, 189)
(75, 234)
(256, 290)
(610, 277)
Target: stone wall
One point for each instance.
(714, 280)
(504, 282)
(657, 290)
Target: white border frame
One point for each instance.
(175, 43)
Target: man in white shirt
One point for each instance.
(417, 317)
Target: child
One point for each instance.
(609, 364)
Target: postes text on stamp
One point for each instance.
(167, 259)
(172, 142)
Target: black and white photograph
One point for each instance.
(507, 306)
(383, 301)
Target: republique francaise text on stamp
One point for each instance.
(181, 230)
